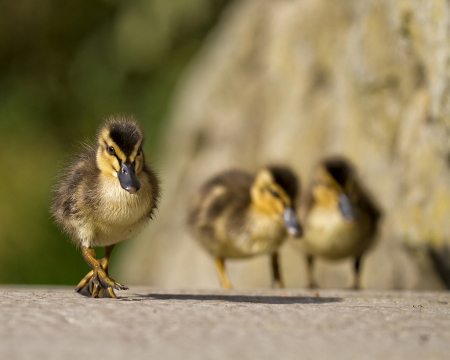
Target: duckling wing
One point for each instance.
(221, 203)
(366, 205)
(155, 190)
(69, 202)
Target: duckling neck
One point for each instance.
(265, 224)
(263, 234)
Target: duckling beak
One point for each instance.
(346, 208)
(291, 222)
(128, 179)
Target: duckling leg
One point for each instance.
(104, 262)
(220, 264)
(277, 282)
(97, 283)
(98, 291)
(310, 272)
(357, 267)
(86, 286)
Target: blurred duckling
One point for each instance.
(340, 219)
(239, 215)
(106, 196)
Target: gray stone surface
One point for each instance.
(149, 323)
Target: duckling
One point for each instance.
(238, 215)
(106, 196)
(340, 219)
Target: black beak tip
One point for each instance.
(295, 231)
(132, 190)
(293, 227)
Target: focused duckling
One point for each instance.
(107, 195)
(339, 217)
(239, 215)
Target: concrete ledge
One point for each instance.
(148, 323)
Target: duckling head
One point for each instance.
(119, 152)
(274, 192)
(332, 184)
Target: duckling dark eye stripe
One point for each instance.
(107, 146)
(272, 192)
(277, 196)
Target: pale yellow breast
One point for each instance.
(328, 235)
(262, 235)
(119, 215)
(121, 207)
(267, 233)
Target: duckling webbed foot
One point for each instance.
(97, 283)
(95, 291)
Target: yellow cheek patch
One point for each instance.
(114, 163)
(322, 176)
(139, 164)
(277, 204)
(326, 196)
(107, 163)
(264, 200)
(137, 159)
(135, 151)
(283, 197)
(268, 205)
(325, 188)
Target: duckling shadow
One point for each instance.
(253, 299)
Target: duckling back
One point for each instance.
(218, 212)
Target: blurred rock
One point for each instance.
(292, 81)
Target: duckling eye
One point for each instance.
(111, 150)
(274, 193)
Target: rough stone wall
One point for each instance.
(291, 81)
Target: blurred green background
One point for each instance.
(64, 67)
